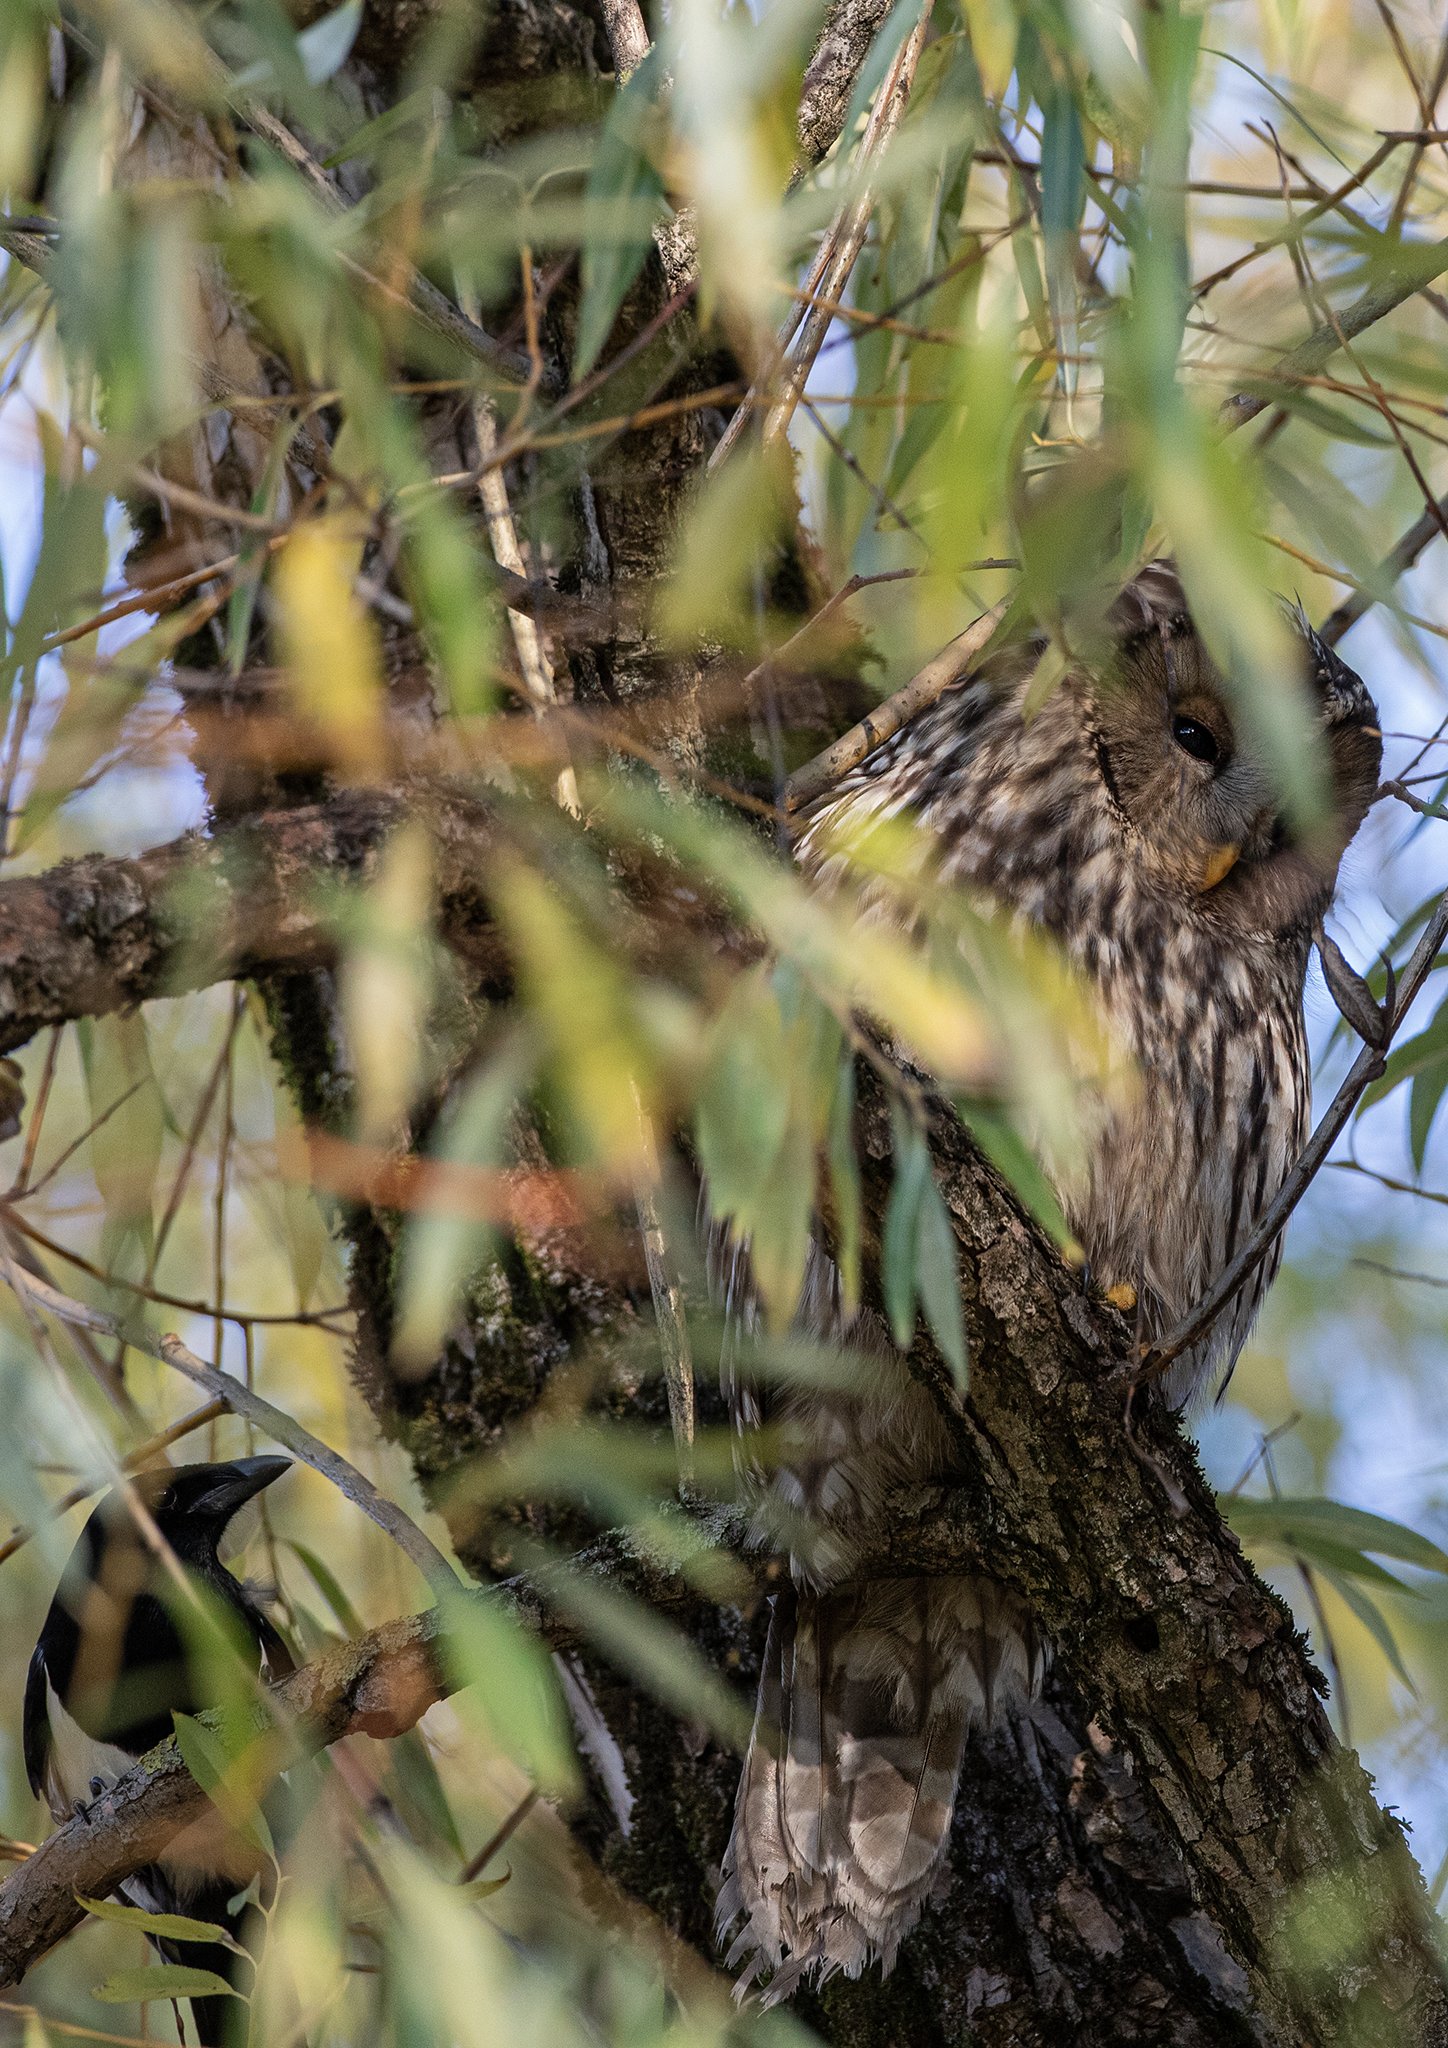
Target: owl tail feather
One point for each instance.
(842, 1819)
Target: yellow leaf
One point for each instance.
(582, 1002)
(328, 645)
(993, 29)
(387, 985)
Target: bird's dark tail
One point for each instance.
(218, 2021)
(842, 1819)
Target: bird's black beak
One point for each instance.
(234, 1485)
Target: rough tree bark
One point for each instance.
(1127, 1885)
(1119, 1860)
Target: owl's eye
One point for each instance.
(1196, 739)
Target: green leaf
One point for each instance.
(1419, 1054)
(937, 1273)
(1372, 1618)
(325, 1580)
(899, 1250)
(644, 1644)
(125, 1146)
(241, 606)
(418, 1794)
(1334, 420)
(210, 1757)
(1291, 106)
(443, 1247)
(1299, 1523)
(1322, 1552)
(509, 1683)
(729, 536)
(174, 1926)
(162, 1980)
(1423, 1105)
(742, 1109)
(364, 139)
(1063, 198)
(325, 47)
(845, 1183)
(780, 1218)
(623, 199)
(1011, 1157)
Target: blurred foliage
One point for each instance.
(1092, 226)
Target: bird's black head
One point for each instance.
(193, 1505)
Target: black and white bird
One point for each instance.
(113, 1664)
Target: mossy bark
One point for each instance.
(1121, 1859)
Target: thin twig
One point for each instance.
(305, 1318)
(847, 236)
(1328, 203)
(779, 659)
(883, 501)
(1421, 263)
(1395, 563)
(829, 273)
(283, 1428)
(36, 1121)
(668, 1297)
(886, 719)
(1414, 803)
(133, 1461)
(476, 1865)
(503, 535)
(419, 293)
(1401, 1273)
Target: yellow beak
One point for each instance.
(1218, 864)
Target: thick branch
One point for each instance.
(1109, 1530)
(1106, 1526)
(1111, 1535)
(844, 44)
(101, 934)
(380, 1685)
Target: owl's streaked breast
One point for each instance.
(1180, 1172)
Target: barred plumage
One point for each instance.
(1131, 819)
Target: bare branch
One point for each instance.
(1420, 264)
(133, 1461)
(886, 719)
(1425, 527)
(829, 273)
(380, 1685)
(628, 39)
(829, 81)
(242, 1400)
(97, 935)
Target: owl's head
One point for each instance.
(1201, 801)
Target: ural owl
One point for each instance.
(1131, 819)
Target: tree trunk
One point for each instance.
(1121, 1856)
